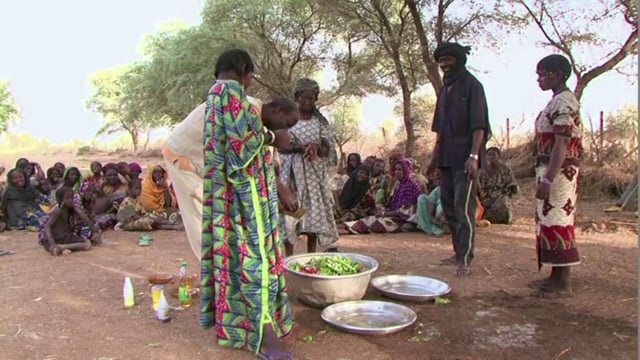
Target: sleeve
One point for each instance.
(42, 199)
(229, 108)
(326, 133)
(563, 114)
(478, 112)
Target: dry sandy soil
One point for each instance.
(70, 307)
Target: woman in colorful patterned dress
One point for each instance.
(243, 286)
(558, 153)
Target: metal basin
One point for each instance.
(410, 287)
(367, 317)
(322, 290)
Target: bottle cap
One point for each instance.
(184, 263)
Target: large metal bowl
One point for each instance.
(322, 290)
(366, 317)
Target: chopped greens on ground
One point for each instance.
(330, 265)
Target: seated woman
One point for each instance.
(400, 210)
(85, 200)
(110, 193)
(59, 232)
(21, 202)
(429, 213)
(354, 160)
(157, 193)
(96, 173)
(72, 178)
(133, 217)
(134, 170)
(356, 200)
(380, 181)
(497, 185)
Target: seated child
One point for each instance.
(133, 217)
(59, 233)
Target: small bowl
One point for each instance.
(160, 279)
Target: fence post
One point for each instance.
(508, 134)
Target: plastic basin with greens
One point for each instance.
(322, 290)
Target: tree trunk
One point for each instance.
(146, 141)
(406, 106)
(134, 139)
(433, 71)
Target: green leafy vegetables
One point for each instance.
(330, 265)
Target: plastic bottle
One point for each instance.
(184, 287)
(127, 292)
(162, 313)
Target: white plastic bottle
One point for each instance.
(162, 313)
(127, 293)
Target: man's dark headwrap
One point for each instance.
(458, 52)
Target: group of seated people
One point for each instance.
(374, 198)
(69, 209)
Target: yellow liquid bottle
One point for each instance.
(184, 287)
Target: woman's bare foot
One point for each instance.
(539, 284)
(66, 252)
(271, 348)
(463, 270)
(55, 251)
(449, 261)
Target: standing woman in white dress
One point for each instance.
(306, 170)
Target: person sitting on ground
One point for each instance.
(429, 212)
(356, 200)
(34, 172)
(61, 167)
(133, 217)
(134, 170)
(157, 193)
(72, 178)
(123, 171)
(354, 160)
(379, 182)
(85, 200)
(21, 202)
(399, 214)
(497, 186)
(369, 160)
(422, 180)
(96, 173)
(59, 232)
(110, 193)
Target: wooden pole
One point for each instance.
(508, 134)
(601, 129)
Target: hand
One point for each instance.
(311, 151)
(288, 199)
(283, 138)
(2, 169)
(471, 168)
(543, 190)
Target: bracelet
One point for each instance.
(474, 156)
(270, 137)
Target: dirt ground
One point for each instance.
(70, 307)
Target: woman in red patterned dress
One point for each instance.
(558, 154)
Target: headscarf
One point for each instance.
(75, 186)
(108, 166)
(457, 51)
(353, 191)
(135, 167)
(393, 159)
(108, 189)
(407, 190)
(305, 84)
(152, 196)
(25, 195)
(350, 168)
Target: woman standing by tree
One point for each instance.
(558, 154)
(307, 171)
(243, 284)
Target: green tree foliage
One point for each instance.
(8, 108)
(345, 115)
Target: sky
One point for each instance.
(50, 47)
